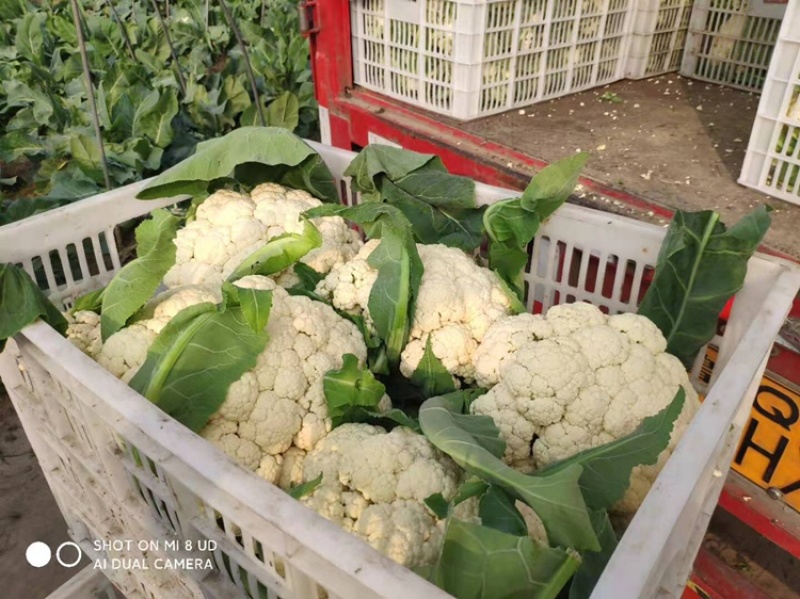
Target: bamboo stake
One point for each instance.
(124, 31)
(181, 80)
(87, 74)
(250, 76)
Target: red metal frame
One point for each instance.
(713, 579)
(354, 113)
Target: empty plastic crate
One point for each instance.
(658, 37)
(120, 468)
(730, 42)
(471, 58)
(772, 162)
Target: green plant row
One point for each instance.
(152, 111)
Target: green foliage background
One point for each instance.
(48, 152)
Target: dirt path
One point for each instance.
(676, 142)
(28, 513)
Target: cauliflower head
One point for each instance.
(229, 226)
(374, 485)
(575, 379)
(126, 350)
(83, 331)
(276, 412)
(457, 302)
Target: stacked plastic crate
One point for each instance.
(658, 37)
(471, 58)
(730, 42)
(772, 162)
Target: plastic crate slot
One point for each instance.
(533, 11)
(615, 24)
(526, 88)
(108, 245)
(373, 52)
(439, 70)
(564, 8)
(531, 38)
(561, 33)
(501, 14)
(441, 12)
(373, 26)
(498, 43)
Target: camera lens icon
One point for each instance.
(68, 554)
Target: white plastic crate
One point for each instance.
(658, 37)
(772, 162)
(471, 58)
(730, 42)
(121, 468)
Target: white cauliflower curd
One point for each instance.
(374, 485)
(230, 226)
(275, 413)
(83, 331)
(457, 302)
(575, 379)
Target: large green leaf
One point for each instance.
(701, 265)
(431, 375)
(20, 143)
(155, 119)
(512, 224)
(594, 562)
(440, 206)
(283, 112)
(391, 299)
(19, 94)
(607, 468)
(473, 443)
(265, 153)
(456, 227)
(392, 296)
(236, 95)
(349, 389)
(136, 282)
(197, 356)
(478, 562)
(86, 153)
(279, 253)
(497, 510)
(552, 185)
(30, 38)
(22, 303)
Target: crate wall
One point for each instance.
(468, 59)
(730, 42)
(658, 37)
(772, 162)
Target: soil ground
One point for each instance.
(676, 142)
(28, 513)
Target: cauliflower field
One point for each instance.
(377, 363)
